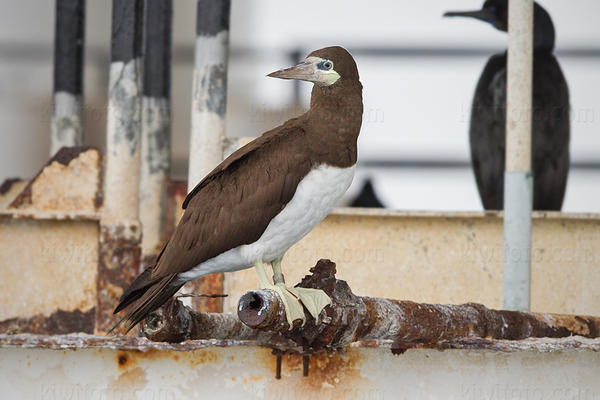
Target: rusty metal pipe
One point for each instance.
(175, 323)
(352, 318)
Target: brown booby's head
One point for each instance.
(323, 67)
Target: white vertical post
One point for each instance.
(156, 124)
(122, 175)
(120, 233)
(209, 93)
(518, 180)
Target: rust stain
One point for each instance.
(124, 360)
(200, 357)
(118, 265)
(60, 322)
(130, 381)
(327, 369)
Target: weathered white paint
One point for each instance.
(155, 164)
(46, 266)
(66, 125)
(518, 182)
(208, 126)
(121, 184)
(244, 372)
(518, 201)
(315, 196)
(206, 144)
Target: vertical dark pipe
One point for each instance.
(156, 124)
(120, 228)
(67, 119)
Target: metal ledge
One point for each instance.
(128, 343)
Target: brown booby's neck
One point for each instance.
(334, 121)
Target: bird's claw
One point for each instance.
(291, 303)
(315, 300)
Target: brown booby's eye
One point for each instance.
(325, 65)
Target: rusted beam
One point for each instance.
(352, 318)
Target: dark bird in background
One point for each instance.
(367, 196)
(266, 196)
(550, 117)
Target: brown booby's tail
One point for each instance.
(149, 293)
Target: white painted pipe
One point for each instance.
(209, 93)
(518, 180)
(67, 115)
(156, 124)
(122, 173)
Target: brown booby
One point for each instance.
(266, 196)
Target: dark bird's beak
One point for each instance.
(483, 14)
(305, 71)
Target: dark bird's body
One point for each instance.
(367, 197)
(267, 195)
(550, 117)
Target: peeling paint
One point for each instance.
(66, 125)
(121, 187)
(70, 181)
(154, 172)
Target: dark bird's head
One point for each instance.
(495, 12)
(327, 67)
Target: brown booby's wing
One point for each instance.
(231, 206)
(234, 204)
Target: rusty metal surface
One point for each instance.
(71, 181)
(248, 372)
(86, 341)
(48, 215)
(48, 269)
(352, 318)
(118, 265)
(59, 322)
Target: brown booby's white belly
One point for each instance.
(315, 196)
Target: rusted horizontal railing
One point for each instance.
(352, 318)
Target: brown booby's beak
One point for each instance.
(483, 14)
(305, 71)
